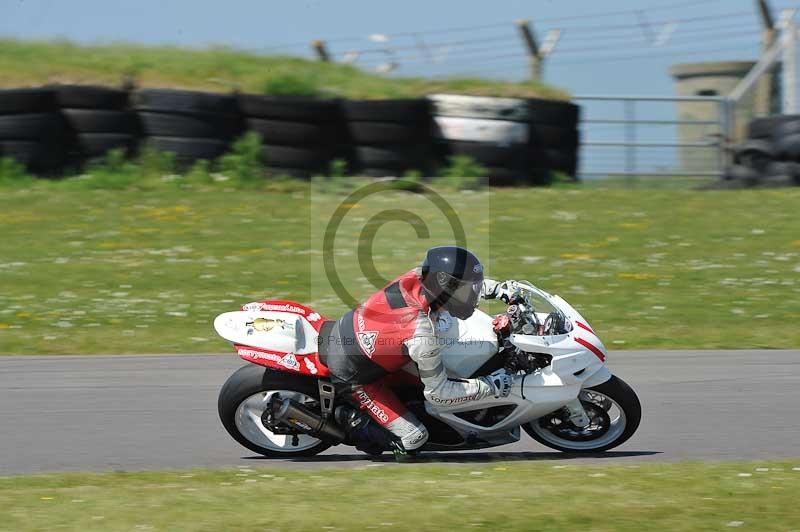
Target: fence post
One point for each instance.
(630, 138)
(725, 108)
(763, 93)
(532, 47)
(321, 50)
(790, 65)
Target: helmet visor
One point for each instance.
(461, 292)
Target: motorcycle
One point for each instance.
(282, 403)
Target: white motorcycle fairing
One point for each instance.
(577, 363)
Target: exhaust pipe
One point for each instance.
(302, 419)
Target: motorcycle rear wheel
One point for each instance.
(242, 400)
(616, 408)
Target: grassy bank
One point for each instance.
(142, 271)
(221, 69)
(503, 495)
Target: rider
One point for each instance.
(394, 327)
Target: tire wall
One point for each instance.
(769, 156)
(520, 141)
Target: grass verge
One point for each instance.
(146, 270)
(220, 69)
(497, 496)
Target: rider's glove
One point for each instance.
(502, 291)
(500, 381)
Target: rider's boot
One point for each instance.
(362, 433)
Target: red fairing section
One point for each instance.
(308, 364)
(388, 324)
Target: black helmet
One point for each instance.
(452, 278)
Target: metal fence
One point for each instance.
(652, 136)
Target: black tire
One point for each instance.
(553, 112)
(388, 133)
(558, 137)
(398, 157)
(517, 177)
(786, 127)
(197, 124)
(31, 126)
(743, 174)
(386, 172)
(188, 149)
(310, 157)
(36, 156)
(300, 173)
(789, 170)
(766, 127)
(625, 397)
(293, 133)
(169, 100)
(401, 111)
(101, 121)
(487, 154)
(92, 145)
(16, 101)
(289, 108)
(90, 97)
(787, 148)
(505, 177)
(251, 379)
(565, 161)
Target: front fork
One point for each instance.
(577, 414)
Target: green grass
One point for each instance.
(143, 271)
(495, 496)
(221, 69)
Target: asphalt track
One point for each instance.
(101, 413)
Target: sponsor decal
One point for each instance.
(252, 307)
(310, 366)
(298, 423)
(314, 316)
(478, 268)
(288, 360)
(455, 401)
(361, 324)
(367, 341)
(367, 402)
(283, 308)
(263, 324)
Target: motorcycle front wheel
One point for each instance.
(614, 412)
(243, 399)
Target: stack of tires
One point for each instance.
(390, 137)
(519, 141)
(492, 131)
(770, 157)
(99, 118)
(32, 131)
(554, 136)
(191, 125)
(300, 136)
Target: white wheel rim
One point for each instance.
(615, 430)
(248, 422)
